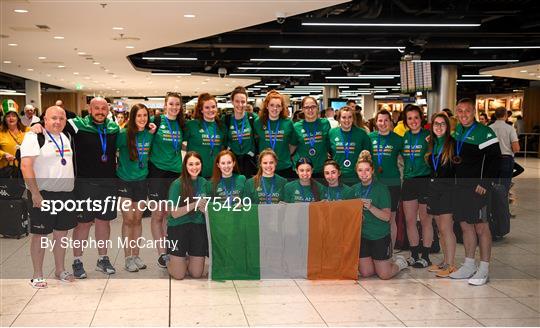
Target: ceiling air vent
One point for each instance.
(43, 27)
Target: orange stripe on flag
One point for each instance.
(334, 239)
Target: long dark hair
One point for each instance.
(216, 172)
(448, 145)
(4, 125)
(187, 191)
(132, 129)
(312, 183)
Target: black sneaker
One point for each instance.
(162, 260)
(104, 265)
(78, 269)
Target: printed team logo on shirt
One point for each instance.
(387, 151)
(206, 139)
(166, 135)
(245, 135)
(318, 137)
(340, 148)
(146, 149)
(262, 196)
(416, 150)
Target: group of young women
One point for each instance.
(297, 162)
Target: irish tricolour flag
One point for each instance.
(304, 240)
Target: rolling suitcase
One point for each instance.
(14, 221)
(498, 212)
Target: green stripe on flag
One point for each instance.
(234, 240)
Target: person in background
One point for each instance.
(351, 103)
(11, 132)
(453, 120)
(400, 128)
(121, 119)
(330, 114)
(509, 145)
(29, 116)
(69, 114)
(483, 118)
(359, 121)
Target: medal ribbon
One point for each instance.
(175, 137)
(346, 145)
(272, 137)
(380, 152)
(103, 139)
(213, 138)
(311, 136)
(140, 151)
(459, 143)
(268, 196)
(60, 150)
(239, 134)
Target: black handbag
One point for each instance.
(11, 181)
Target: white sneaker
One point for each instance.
(401, 262)
(479, 278)
(465, 272)
(130, 265)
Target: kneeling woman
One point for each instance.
(226, 183)
(266, 187)
(305, 189)
(334, 189)
(375, 246)
(186, 231)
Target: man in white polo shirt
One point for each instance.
(47, 167)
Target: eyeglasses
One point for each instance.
(310, 107)
(441, 124)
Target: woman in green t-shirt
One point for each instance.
(312, 133)
(186, 231)
(205, 133)
(240, 133)
(276, 131)
(305, 189)
(334, 189)
(133, 146)
(346, 143)
(375, 245)
(386, 148)
(165, 163)
(266, 187)
(226, 185)
(414, 193)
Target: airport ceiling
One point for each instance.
(364, 37)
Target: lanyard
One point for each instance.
(239, 134)
(213, 138)
(380, 152)
(304, 199)
(311, 136)
(103, 139)
(175, 137)
(140, 149)
(412, 150)
(60, 150)
(459, 143)
(365, 194)
(228, 191)
(436, 160)
(272, 137)
(268, 196)
(346, 144)
(337, 195)
(14, 138)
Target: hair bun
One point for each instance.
(365, 155)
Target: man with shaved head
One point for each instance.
(47, 167)
(95, 162)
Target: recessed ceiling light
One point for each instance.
(59, 37)
(130, 47)
(87, 77)
(48, 75)
(96, 63)
(189, 16)
(75, 73)
(61, 66)
(30, 69)
(21, 11)
(523, 71)
(12, 44)
(531, 74)
(41, 57)
(118, 28)
(81, 53)
(7, 61)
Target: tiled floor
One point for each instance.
(414, 298)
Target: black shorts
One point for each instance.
(440, 199)
(134, 190)
(415, 189)
(378, 249)
(395, 194)
(101, 191)
(191, 237)
(469, 206)
(159, 182)
(44, 222)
